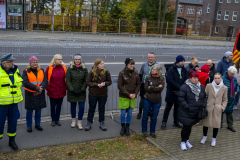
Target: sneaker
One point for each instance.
(102, 126)
(163, 126)
(153, 135)
(73, 122)
(204, 139)
(188, 144)
(183, 146)
(235, 108)
(213, 142)
(88, 126)
(144, 134)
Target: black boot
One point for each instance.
(12, 143)
(123, 129)
(38, 127)
(29, 129)
(139, 114)
(127, 130)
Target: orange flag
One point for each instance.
(236, 49)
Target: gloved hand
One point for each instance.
(176, 92)
(74, 92)
(79, 92)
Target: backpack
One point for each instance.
(167, 66)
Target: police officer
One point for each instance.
(10, 96)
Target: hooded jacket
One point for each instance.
(223, 65)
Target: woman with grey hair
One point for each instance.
(231, 83)
(153, 86)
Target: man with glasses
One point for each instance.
(144, 72)
(11, 95)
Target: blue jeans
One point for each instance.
(236, 99)
(37, 117)
(147, 105)
(129, 115)
(81, 107)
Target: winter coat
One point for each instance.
(128, 83)
(57, 86)
(188, 106)
(153, 92)
(34, 102)
(212, 72)
(204, 78)
(191, 68)
(76, 81)
(94, 90)
(226, 82)
(216, 104)
(223, 65)
(174, 83)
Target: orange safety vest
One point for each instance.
(50, 69)
(35, 80)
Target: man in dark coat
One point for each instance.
(225, 63)
(213, 70)
(35, 82)
(176, 76)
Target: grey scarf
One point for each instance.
(195, 88)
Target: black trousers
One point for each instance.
(92, 107)
(205, 131)
(185, 133)
(168, 109)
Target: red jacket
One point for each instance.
(203, 77)
(57, 86)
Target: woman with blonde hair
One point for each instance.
(98, 80)
(216, 104)
(193, 65)
(56, 88)
(35, 82)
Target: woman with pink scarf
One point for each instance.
(231, 83)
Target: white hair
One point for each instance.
(232, 69)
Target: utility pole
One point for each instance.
(52, 22)
(175, 18)
(159, 14)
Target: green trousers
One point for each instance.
(229, 119)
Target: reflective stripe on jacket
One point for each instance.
(35, 80)
(10, 93)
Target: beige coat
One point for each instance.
(216, 104)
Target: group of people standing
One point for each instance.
(185, 91)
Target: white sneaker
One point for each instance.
(235, 108)
(204, 139)
(73, 122)
(188, 144)
(183, 146)
(213, 142)
(79, 124)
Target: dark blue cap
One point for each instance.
(7, 57)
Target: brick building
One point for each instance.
(218, 15)
(190, 10)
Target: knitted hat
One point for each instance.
(179, 58)
(205, 68)
(128, 60)
(193, 74)
(228, 53)
(33, 58)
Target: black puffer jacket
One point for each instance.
(189, 107)
(34, 102)
(190, 67)
(212, 72)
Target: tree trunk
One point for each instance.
(159, 14)
(164, 15)
(20, 24)
(175, 18)
(37, 11)
(52, 21)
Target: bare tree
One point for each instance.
(175, 18)
(164, 15)
(159, 14)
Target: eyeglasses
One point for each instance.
(59, 59)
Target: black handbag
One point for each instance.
(203, 113)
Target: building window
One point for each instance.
(192, 21)
(220, 1)
(180, 9)
(236, 1)
(208, 8)
(226, 15)
(219, 15)
(228, 1)
(234, 17)
(216, 29)
(200, 11)
(198, 24)
(190, 10)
